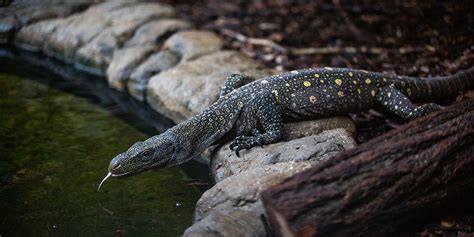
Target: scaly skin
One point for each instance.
(253, 113)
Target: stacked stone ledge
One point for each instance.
(144, 49)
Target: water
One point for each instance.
(54, 150)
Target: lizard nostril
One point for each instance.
(114, 165)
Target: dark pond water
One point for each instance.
(55, 147)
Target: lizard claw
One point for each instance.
(245, 142)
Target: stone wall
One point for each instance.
(143, 48)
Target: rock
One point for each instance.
(8, 26)
(156, 31)
(190, 87)
(231, 222)
(317, 147)
(82, 28)
(44, 11)
(95, 56)
(32, 37)
(305, 128)
(22, 13)
(234, 204)
(156, 63)
(193, 43)
(124, 62)
(183, 46)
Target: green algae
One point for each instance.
(54, 150)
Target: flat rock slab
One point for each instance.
(8, 25)
(156, 31)
(190, 87)
(124, 62)
(193, 43)
(230, 222)
(96, 55)
(316, 147)
(22, 13)
(155, 64)
(238, 197)
(32, 37)
(183, 46)
(82, 28)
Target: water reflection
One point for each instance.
(55, 147)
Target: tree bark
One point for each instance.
(418, 170)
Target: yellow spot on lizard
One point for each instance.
(372, 93)
(368, 81)
(316, 75)
(350, 74)
(307, 83)
(338, 82)
(355, 82)
(312, 99)
(358, 91)
(286, 84)
(340, 93)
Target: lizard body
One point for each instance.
(253, 111)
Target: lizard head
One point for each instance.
(157, 151)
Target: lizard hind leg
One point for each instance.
(235, 81)
(398, 103)
(265, 110)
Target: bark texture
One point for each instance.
(404, 176)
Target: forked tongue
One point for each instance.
(106, 177)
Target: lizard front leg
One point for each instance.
(235, 81)
(265, 110)
(398, 103)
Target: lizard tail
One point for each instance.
(434, 88)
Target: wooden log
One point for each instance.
(401, 177)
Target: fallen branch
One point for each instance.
(353, 50)
(255, 41)
(403, 176)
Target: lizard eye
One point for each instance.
(146, 153)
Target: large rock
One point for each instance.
(316, 147)
(22, 13)
(43, 11)
(237, 199)
(68, 38)
(193, 43)
(124, 62)
(230, 222)
(156, 63)
(8, 25)
(96, 55)
(184, 46)
(156, 31)
(32, 37)
(190, 87)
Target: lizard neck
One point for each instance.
(199, 132)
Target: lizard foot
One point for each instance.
(246, 142)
